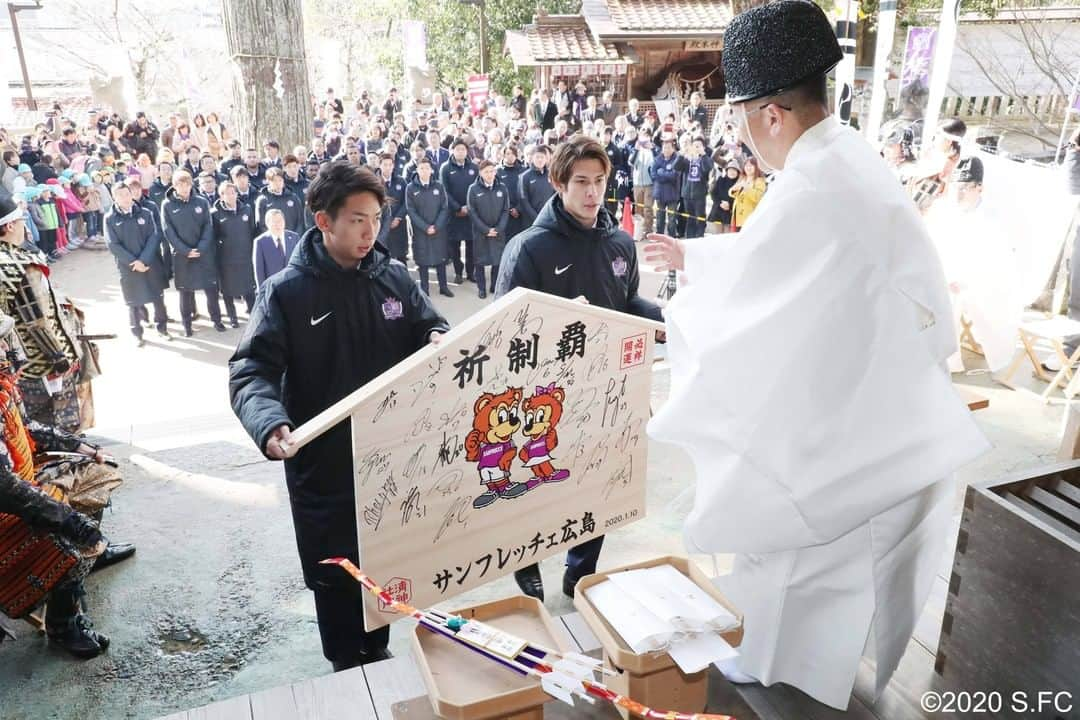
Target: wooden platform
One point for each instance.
(390, 690)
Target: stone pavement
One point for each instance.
(213, 605)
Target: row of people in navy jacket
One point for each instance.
(461, 212)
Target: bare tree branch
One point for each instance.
(82, 60)
(1043, 50)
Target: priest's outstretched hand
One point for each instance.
(664, 252)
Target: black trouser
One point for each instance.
(230, 304)
(481, 280)
(455, 254)
(695, 226)
(47, 241)
(340, 613)
(581, 559)
(611, 199)
(459, 231)
(187, 306)
(137, 313)
(440, 275)
(666, 218)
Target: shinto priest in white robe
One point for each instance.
(808, 387)
(985, 265)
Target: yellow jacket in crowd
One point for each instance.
(746, 199)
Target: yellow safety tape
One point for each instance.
(657, 210)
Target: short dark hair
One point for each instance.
(290, 158)
(459, 141)
(424, 161)
(955, 126)
(239, 170)
(485, 164)
(274, 172)
(811, 91)
(337, 181)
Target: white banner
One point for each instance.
(885, 35)
(939, 76)
(847, 21)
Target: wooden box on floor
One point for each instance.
(463, 685)
(653, 679)
(1012, 619)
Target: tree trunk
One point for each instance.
(271, 99)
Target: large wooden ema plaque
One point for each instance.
(519, 436)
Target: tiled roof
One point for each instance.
(559, 38)
(678, 15)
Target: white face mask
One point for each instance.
(766, 166)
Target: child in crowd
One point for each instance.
(50, 222)
(61, 217)
(32, 216)
(73, 208)
(104, 193)
(720, 214)
(92, 209)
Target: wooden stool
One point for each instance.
(967, 340)
(1054, 331)
(8, 628)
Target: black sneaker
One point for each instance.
(78, 640)
(219, 326)
(188, 332)
(484, 500)
(482, 294)
(445, 292)
(530, 582)
(457, 279)
(514, 490)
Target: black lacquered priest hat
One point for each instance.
(968, 170)
(773, 47)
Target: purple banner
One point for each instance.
(918, 60)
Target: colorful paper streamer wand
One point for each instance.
(561, 675)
